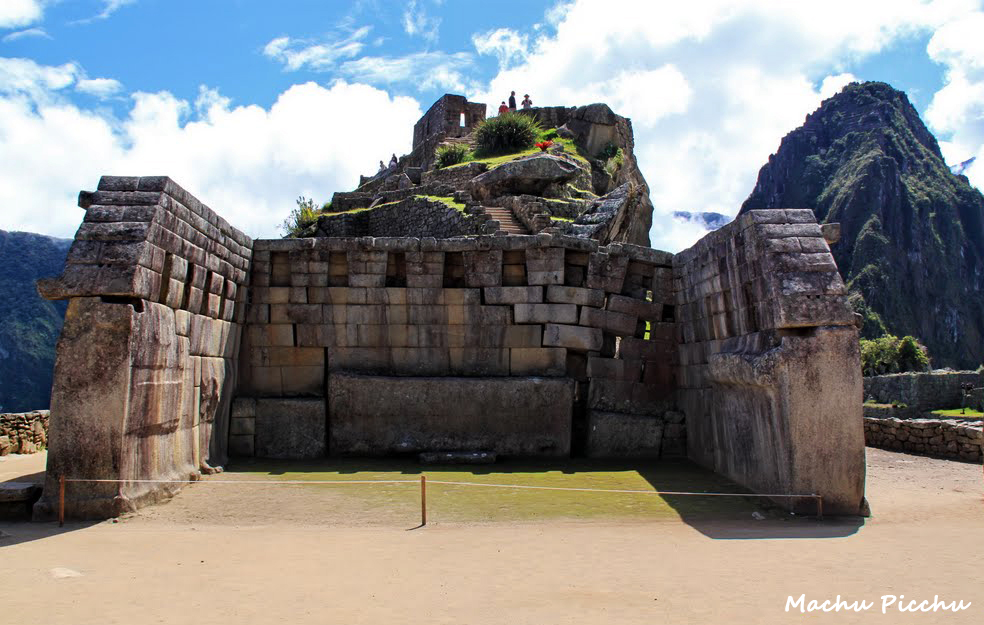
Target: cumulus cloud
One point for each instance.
(99, 87)
(298, 54)
(18, 13)
(711, 86)
(957, 109)
(249, 163)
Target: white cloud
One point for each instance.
(26, 33)
(711, 85)
(505, 44)
(298, 54)
(417, 22)
(247, 162)
(957, 109)
(425, 70)
(18, 13)
(99, 87)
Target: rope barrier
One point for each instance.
(423, 489)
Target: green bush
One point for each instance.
(511, 132)
(890, 354)
(451, 154)
(302, 217)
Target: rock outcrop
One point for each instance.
(912, 233)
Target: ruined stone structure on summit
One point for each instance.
(186, 341)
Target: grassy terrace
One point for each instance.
(956, 412)
(494, 161)
(461, 503)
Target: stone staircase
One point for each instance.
(507, 221)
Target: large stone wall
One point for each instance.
(502, 313)
(921, 392)
(741, 351)
(146, 363)
(770, 374)
(23, 432)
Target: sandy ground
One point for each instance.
(178, 565)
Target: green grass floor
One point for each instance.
(955, 412)
(461, 503)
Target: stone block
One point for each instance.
(315, 336)
(241, 445)
(575, 338)
(545, 313)
(305, 313)
(547, 361)
(647, 311)
(375, 415)
(573, 295)
(278, 335)
(417, 361)
(619, 435)
(513, 294)
(613, 322)
(614, 369)
(303, 380)
(483, 268)
(290, 428)
(606, 272)
(545, 265)
(522, 336)
(478, 361)
(633, 348)
(242, 425)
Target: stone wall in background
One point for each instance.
(921, 392)
(23, 432)
(552, 336)
(958, 439)
(770, 374)
(146, 362)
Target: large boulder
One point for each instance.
(529, 175)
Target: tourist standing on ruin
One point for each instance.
(381, 166)
(512, 101)
(394, 161)
(503, 108)
(527, 102)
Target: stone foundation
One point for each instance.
(955, 439)
(23, 432)
(921, 392)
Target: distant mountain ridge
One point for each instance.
(912, 232)
(29, 325)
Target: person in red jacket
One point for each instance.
(503, 108)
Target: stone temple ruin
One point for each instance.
(414, 320)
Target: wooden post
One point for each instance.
(423, 500)
(61, 501)
(820, 507)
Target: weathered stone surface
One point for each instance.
(575, 338)
(545, 313)
(529, 175)
(517, 416)
(23, 433)
(574, 295)
(618, 435)
(290, 428)
(513, 294)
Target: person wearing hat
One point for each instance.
(527, 102)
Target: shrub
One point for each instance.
(890, 354)
(301, 217)
(507, 133)
(451, 154)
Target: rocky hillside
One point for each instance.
(912, 242)
(29, 325)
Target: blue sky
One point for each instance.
(249, 104)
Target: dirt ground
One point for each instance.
(232, 554)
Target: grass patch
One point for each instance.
(458, 206)
(955, 412)
(567, 219)
(494, 160)
(456, 503)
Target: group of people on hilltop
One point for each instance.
(511, 107)
(393, 163)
